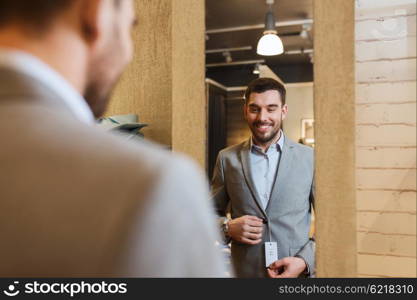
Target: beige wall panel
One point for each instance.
(380, 200)
(386, 179)
(386, 135)
(382, 244)
(390, 92)
(188, 71)
(388, 223)
(389, 266)
(146, 87)
(377, 157)
(405, 47)
(371, 9)
(334, 111)
(376, 29)
(377, 114)
(391, 70)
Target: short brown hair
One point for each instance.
(264, 84)
(35, 13)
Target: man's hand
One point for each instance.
(287, 267)
(246, 229)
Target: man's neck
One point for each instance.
(265, 146)
(66, 58)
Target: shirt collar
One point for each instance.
(31, 66)
(277, 145)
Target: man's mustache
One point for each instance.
(262, 123)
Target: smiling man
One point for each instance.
(266, 184)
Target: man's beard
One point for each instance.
(264, 139)
(101, 80)
(97, 97)
(99, 90)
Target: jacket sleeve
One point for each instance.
(176, 233)
(219, 194)
(308, 252)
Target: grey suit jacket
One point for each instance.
(76, 200)
(288, 211)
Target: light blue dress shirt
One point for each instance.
(264, 168)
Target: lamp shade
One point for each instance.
(270, 44)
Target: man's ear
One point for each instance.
(245, 112)
(91, 12)
(284, 111)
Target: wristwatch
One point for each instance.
(225, 230)
(225, 227)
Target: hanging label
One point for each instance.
(271, 253)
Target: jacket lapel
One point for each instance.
(284, 167)
(244, 157)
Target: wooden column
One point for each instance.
(334, 110)
(164, 85)
(189, 119)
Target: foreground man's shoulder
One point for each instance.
(160, 158)
(138, 155)
(233, 149)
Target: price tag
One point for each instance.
(271, 253)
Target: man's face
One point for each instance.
(264, 113)
(113, 52)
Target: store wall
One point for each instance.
(164, 85)
(386, 137)
(300, 106)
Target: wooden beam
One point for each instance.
(334, 110)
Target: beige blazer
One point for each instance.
(77, 201)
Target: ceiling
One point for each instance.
(239, 23)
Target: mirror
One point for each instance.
(233, 31)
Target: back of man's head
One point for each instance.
(87, 41)
(31, 14)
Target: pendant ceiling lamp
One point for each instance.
(270, 43)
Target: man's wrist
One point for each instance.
(306, 269)
(225, 227)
